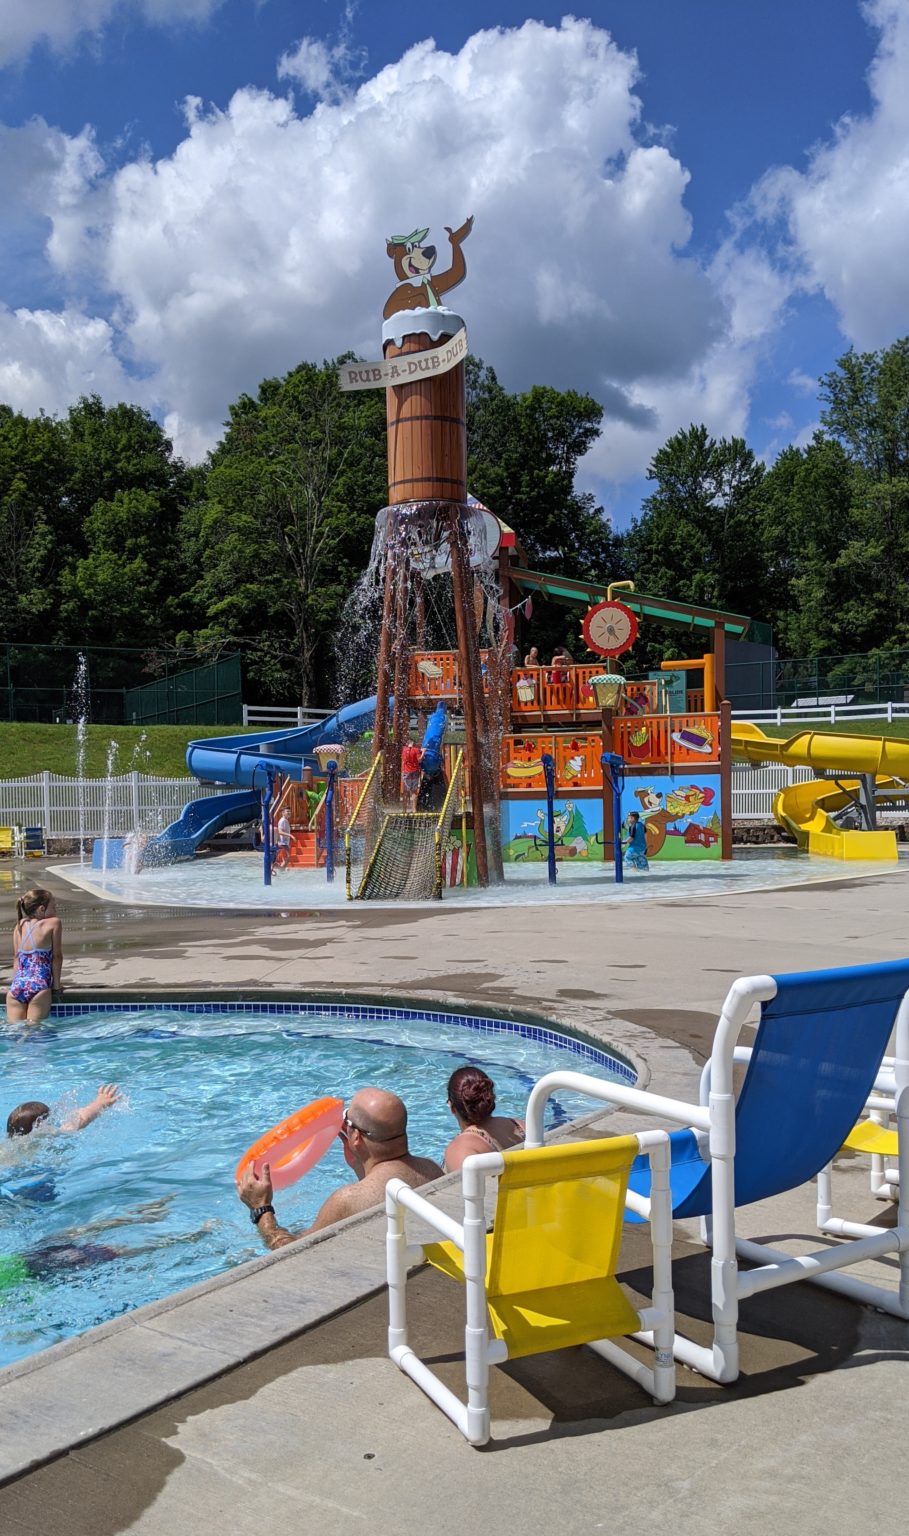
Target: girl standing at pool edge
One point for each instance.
(38, 952)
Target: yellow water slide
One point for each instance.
(807, 809)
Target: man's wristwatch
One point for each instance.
(256, 1213)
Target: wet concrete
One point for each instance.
(322, 1432)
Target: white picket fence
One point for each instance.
(807, 714)
(282, 717)
(70, 807)
(138, 801)
(753, 788)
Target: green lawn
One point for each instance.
(27, 749)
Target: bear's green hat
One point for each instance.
(417, 238)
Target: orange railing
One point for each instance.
(567, 691)
(436, 675)
(694, 700)
(670, 741)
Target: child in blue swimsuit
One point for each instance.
(636, 853)
(38, 950)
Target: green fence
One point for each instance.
(59, 684)
(207, 695)
(865, 678)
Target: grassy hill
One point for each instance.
(155, 749)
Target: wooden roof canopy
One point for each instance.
(662, 610)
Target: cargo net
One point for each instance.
(361, 830)
(406, 860)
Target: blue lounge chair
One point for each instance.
(814, 1061)
(34, 845)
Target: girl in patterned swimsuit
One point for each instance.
(38, 951)
(472, 1101)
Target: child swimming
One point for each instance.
(23, 1119)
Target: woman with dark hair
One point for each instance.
(472, 1101)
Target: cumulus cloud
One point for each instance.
(48, 359)
(846, 216)
(24, 24)
(260, 240)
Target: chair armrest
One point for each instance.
(675, 1110)
(399, 1193)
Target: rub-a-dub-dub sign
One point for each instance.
(407, 369)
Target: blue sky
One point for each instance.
(688, 207)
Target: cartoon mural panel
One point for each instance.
(681, 816)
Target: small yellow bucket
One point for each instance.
(608, 688)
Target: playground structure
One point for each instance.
(448, 580)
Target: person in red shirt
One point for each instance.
(410, 769)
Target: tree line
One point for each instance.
(108, 539)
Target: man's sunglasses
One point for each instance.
(348, 1125)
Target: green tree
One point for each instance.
(807, 523)
(286, 524)
(699, 536)
(524, 452)
(32, 480)
(124, 501)
(867, 400)
(837, 514)
(123, 591)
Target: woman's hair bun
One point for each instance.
(472, 1094)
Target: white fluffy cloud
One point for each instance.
(260, 240)
(24, 24)
(846, 217)
(49, 358)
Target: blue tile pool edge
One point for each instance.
(559, 1036)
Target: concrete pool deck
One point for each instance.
(321, 1431)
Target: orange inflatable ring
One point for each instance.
(296, 1145)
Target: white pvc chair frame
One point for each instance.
(714, 1121)
(884, 1180)
(472, 1418)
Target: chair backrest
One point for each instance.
(7, 838)
(559, 1215)
(818, 1049)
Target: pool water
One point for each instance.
(153, 1177)
(234, 880)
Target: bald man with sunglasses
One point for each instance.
(374, 1137)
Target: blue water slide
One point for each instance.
(246, 760)
(198, 821)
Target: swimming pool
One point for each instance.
(201, 1082)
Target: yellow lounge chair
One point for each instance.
(876, 1137)
(544, 1278)
(11, 840)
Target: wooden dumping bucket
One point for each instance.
(427, 431)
